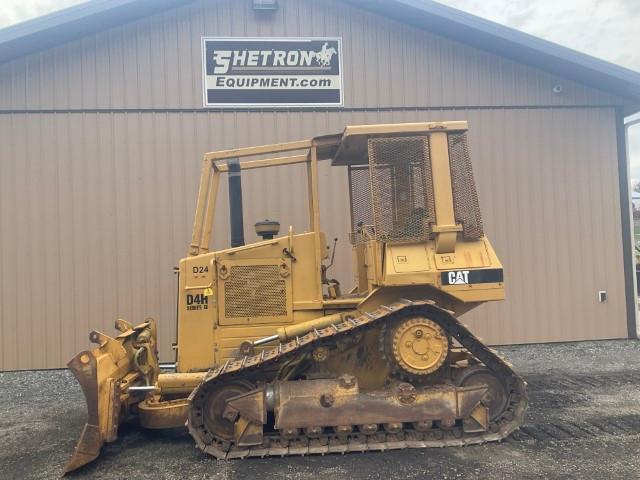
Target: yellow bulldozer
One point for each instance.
(274, 359)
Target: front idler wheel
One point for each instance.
(213, 407)
(496, 399)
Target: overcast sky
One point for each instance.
(602, 28)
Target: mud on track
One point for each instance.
(583, 422)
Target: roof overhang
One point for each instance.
(524, 48)
(351, 146)
(74, 22)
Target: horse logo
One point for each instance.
(323, 57)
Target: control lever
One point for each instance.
(333, 255)
(332, 284)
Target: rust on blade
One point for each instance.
(105, 375)
(84, 368)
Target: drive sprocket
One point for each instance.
(415, 347)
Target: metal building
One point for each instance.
(104, 120)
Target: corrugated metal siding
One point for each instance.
(156, 63)
(96, 208)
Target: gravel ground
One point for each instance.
(583, 422)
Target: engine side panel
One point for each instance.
(242, 294)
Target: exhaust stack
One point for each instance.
(235, 203)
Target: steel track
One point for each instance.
(249, 366)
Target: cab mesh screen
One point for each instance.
(401, 187)
(392, 197)
(361, 209)
(465, 197)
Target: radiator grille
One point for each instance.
(465, 196)
(255, 291)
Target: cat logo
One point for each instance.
(471, 277)
(461, 277)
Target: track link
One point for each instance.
(248, 366)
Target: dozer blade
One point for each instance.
(105, 375)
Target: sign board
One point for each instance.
(272, 72)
